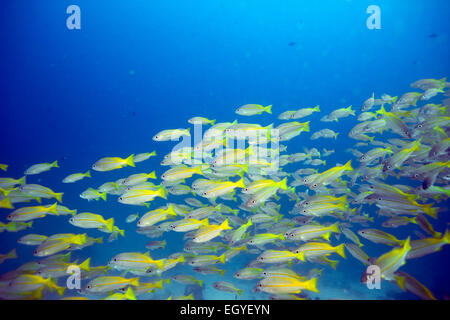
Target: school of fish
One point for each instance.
(229, 195)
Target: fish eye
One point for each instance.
(204, 193)
(88, 287)
(120, 198)
(315, 185)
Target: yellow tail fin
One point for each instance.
(340, 250)
(129, 294)
(58, 196)
(109, 224)
(52, 209)
(311, 285)
(222, 258)
(224, 225)
(268, 109)
(130, 161)
(85, 265)
(134, 282)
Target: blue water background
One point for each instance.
(138, 67)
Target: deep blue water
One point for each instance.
(138, 67)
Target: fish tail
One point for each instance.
(335, 228)
(381, 111)
(333, 263)
(85, 265)
(200, 283)
(55, 164)
(224, 225)
(301, 256)
(268, 109)
(400, 282)
(205, 222)
(103, 195)
(181, 259)
(283, 184)
(222, 258)
(432, 212)
(188, 132)
(317, 108)
(52, 209)
(171, 211)
(134, 282)
(21, 180)
(12, 254)
(212, 122)
(6, 203)
(60, 290)
(153, 153)
(152, 175)
(240, 183)
(348, 166)
(394, 99)
(58, 196)
(311, 285)
(306, 126)
(130, 161)
(250, 150)
(80, 239)
(447, 236)
(88, 174)
(162, 193)
(109, 224)
(129, 294)
(222, 272)
(340, 250)
(239, 291)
